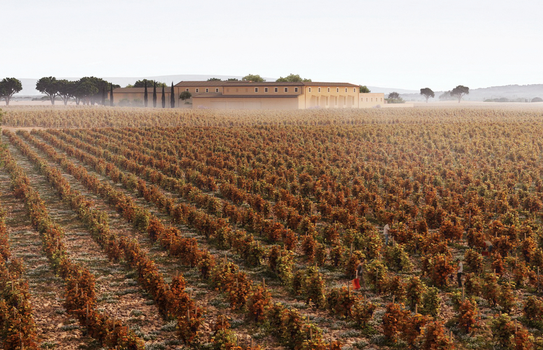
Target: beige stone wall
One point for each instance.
(371, 99)
(329, 96)
(245, 103)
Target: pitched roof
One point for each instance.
(266, 83)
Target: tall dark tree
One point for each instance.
(154, 95)
(145, 95)
(104, 95)
(427, 93)
(163, 98)
(48, 86)
(9, 87)
(172, 97)
(111, 95)
(460, 91)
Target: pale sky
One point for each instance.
(406, 44)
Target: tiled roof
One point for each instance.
(267, 83)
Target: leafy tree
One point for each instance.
(459, 92)
(213, 79)
(90, 90)
(254, 78)
(141, 83)
(394, 97)
(163, 98)
(427, 92)
(48, 86)
(185, 95)
(232, 79)
(446, 96)
(9, 87)
(65, 90)
(84, 91)
(364, 89)
(292, 78)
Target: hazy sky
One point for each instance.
(391, 43)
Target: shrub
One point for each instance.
(533, 311)
(473, 284)
(341, 300)
(431, 302)
(313, 286)
(491, 289)
(474, 261)
(467, 315)
(392, 321)
(506, 297)
(396, 287)
(377, 274)
(397, 258)
(451, 231)
(362, 312)
(415, 291)
(439, 268)
(433, 337)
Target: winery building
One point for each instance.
(265, 95)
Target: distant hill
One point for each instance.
(506, 92)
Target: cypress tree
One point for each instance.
(111, 94)
(104, 94)
(163, 98)
(172, 97)
(154, 95)
(145, 97)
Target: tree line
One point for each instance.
(458, 92)
(87, 90)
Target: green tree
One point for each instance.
(213, 79)
(65, 90)
(185, 95)
(232, 79)
(84, 91)
(90, 90)
(292, 78)
(9, 87)
(364, 89)
(394, 97)
(427, 93)
(459, 92)
(254, 78)
(141, 83)
(48, 86)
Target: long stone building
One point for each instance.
(252, 95)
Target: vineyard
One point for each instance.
(163, 229)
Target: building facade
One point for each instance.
(265, 95)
